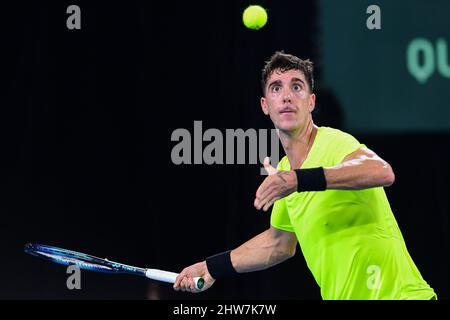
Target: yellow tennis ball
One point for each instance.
(254, 17)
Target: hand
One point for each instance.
(277, 185)
(185, 282)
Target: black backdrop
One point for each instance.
(86, 123)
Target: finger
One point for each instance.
(269, 188)
(178, 280)
(263, 191)
(258, 204)
(267, 199)
(270, 170)
(270, 203)
(262, 187)
(261, 201)
(185, 284)
(192, 285)
(176, 285)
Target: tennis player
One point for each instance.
(327, 194)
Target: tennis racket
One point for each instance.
(88, 262)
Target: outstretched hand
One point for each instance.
(277, 185)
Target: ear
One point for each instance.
(264, 106)
(312, 102)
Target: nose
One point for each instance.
(287, 97)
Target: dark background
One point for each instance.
(86, 123)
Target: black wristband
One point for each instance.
(311, 179)
(219, 265)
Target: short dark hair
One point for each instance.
(285, 62)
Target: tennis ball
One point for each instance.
(254, 17)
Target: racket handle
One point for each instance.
(199, 282)
(170, 277)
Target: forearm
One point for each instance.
(359, 173)
(261, 252)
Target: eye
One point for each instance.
(297, 87)
(276, 88)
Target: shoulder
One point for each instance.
(334, 145)
(332, 135)
(284, 164)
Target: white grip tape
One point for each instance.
(165, 276)
(161, 275)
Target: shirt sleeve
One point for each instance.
(280, 218)
(344, 145)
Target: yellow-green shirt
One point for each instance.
(350, 239)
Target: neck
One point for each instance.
(297, 144)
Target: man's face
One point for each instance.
(288, 100)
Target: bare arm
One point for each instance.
(361, 169)
(267, 249)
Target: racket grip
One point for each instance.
(199, 282)
(170, 277)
